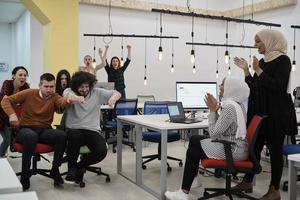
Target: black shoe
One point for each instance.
(56, 176)
(71, 175)
(79, 175)
(25, 180)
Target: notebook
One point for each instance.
(176, 114)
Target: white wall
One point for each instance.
(161, 82)
(5, 50)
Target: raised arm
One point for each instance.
(129, 52)
(102, 58)
(114, 98)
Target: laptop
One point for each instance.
(177, 115)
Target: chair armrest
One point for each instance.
(228, 153)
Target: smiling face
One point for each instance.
(84, 89)
(259, 45)
(20, 77)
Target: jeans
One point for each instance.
(30, 136)
(5, 133)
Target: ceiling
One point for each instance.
(10, 10)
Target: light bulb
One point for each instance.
(94, 63)
(145, 80)
(250, 69)
(294, 66)
(229, 71)
(160, 55)
(122, 62)
(192, 56)
(226, 59)
(217, 74)
(194, 69)
(172, 68)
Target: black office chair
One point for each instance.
(122, 107)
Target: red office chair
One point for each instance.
(39, 149)
(229, 166)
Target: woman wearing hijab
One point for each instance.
(230, 125)
(269, 96)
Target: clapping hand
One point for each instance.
(241, 63)
(211, 102)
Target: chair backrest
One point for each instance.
(296, 94)
(252, 131)
(155, 107)
(143, 98)
(125, 107)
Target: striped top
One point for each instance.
(223, 127)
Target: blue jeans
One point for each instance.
(5, 133)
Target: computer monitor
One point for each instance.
(192, 94)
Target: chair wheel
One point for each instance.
(107, 180)
(133, 149)
(169, 169)
(285, 187)
(205, 193)
(82, 184)
(114, 151)
(144, 166)
(180, 164)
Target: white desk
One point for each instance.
(294, 163)
(9, 183)
(154, 122)
(19, 196)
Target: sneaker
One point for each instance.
(196, 183)
(55, 174)
(71, 176)
(176, 195)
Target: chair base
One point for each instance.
(157, 156)
(228, 191)
(99, 172)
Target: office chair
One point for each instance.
(229, 166)
(38, 151)
(141, 99)
(122, 107)
(151, 108)
(83, 150)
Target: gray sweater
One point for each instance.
(86, 115)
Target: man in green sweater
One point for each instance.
(34, 123)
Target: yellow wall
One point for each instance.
(60, 33)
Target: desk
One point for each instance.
(9, 183)
(157, 123)
(294, 163)
(19, 196)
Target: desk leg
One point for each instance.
(163, 165)
(139, 160)
(119, 145)
(292, 192)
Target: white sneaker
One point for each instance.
(196, 183)
(176, 195)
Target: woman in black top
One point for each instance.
(115, 72)
(269, 96)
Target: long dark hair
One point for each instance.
(58, 88)
(115, 57)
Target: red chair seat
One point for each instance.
(214, 163)
(40, 148)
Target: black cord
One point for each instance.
(110, 29)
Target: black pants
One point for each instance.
(30, 136)
(123, 93)
(274, 144)
(193, 156)
(93, 140)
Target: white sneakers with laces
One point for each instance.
(176, 195)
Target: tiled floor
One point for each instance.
(120, 188)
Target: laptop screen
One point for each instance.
(173, 110)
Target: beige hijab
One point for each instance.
(275, 43)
